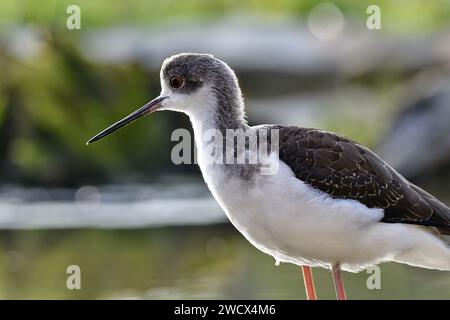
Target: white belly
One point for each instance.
(284, 217)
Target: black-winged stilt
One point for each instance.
(331, 202)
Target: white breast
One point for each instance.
(284, 217)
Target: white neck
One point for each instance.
(203, 124)
(205, 116)
(206, 123)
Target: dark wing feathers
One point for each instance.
(347, 170)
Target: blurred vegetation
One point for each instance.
(50, 107)
(401, 15)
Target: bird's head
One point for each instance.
(195, 84)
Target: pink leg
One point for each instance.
(338, 282)
(309, 283)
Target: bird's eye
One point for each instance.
(176, 82)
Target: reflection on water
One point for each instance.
(212, 261)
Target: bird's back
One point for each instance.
(344, 169)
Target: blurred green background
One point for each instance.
(58, 87)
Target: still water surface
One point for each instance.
(202, 262)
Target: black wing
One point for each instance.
(347, 170)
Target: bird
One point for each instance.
(323, 200)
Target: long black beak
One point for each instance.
(146, 109)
